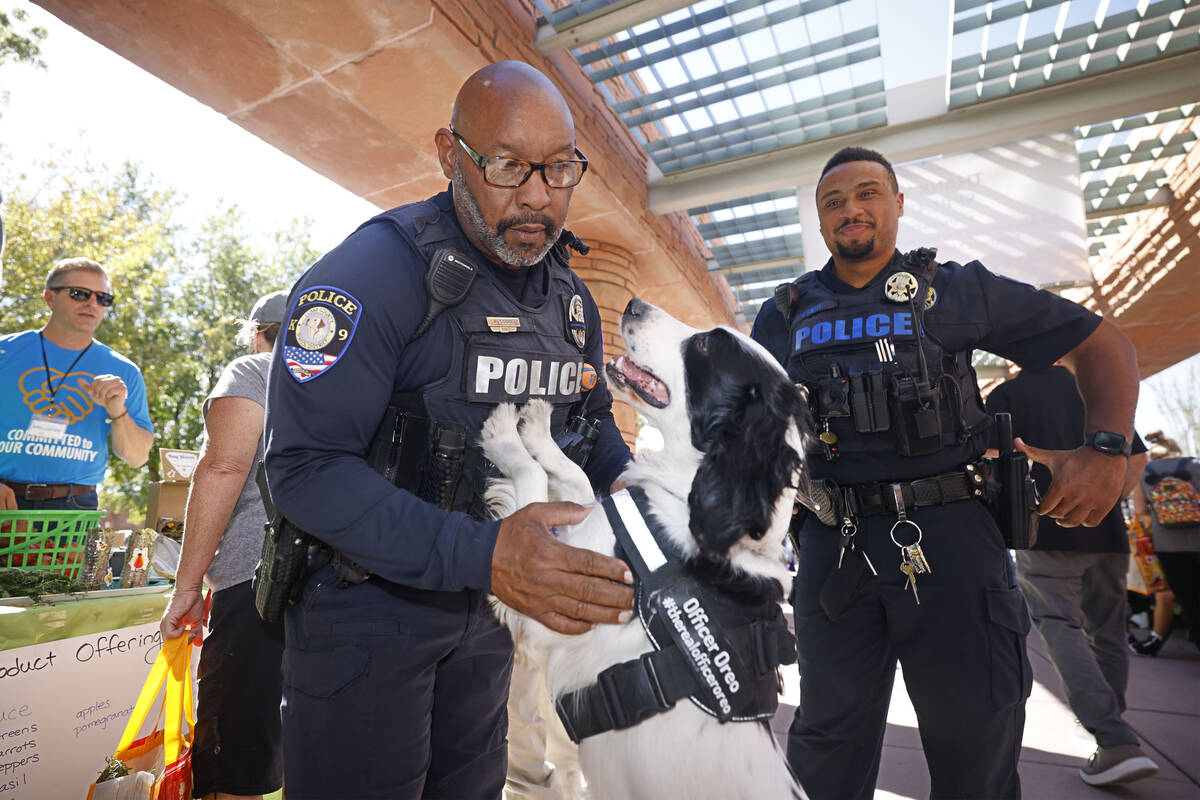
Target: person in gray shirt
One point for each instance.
(237, 750)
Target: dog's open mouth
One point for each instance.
(622, 371)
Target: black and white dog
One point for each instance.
(722, 489)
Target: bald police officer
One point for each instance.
(396, 671)
(882, 342)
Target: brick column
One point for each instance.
(610, 273)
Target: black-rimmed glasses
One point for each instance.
(81, 295)
(509, 173)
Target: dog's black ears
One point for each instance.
(747, 462)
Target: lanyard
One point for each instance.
(46, 364)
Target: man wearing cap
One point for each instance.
(237, 750)
(64, 396)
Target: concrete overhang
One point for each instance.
(355, 89)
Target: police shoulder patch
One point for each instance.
(319, 331)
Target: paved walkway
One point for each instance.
(1163, 707)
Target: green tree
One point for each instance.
(179, 293)
(18, 46)
(1178, 393)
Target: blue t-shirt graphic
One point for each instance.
(82, 455)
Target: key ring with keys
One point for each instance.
(897, 524)
(902, 519)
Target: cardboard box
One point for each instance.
(166, 501)
(168, 498)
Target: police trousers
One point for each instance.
(962, 650)
(393, 692)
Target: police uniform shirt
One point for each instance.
(1047, 412)
(974, 309)
(318, 431)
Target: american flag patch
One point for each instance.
(306, 363)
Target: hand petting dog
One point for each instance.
(567, 589)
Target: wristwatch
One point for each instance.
(1114, 444)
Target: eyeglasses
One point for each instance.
(509, 173)
(81, 295)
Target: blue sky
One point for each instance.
(100, 106)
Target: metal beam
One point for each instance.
(1149, 86)
(1163, 197)
(602, 23)
(759, 265)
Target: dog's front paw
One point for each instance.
(501, 424)
(534, 426)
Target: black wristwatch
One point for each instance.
(1114, 444)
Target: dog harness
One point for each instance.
(718, 650)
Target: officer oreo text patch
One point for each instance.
(319, 330)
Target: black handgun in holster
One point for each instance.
(1017, 499)
(284, 562)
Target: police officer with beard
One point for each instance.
(904, 562)
(396, 670)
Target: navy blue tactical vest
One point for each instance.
(506, 351)
(877, 382)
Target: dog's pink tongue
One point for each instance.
(643, 381)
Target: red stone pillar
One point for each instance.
(610, 274)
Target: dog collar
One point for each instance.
(720, 653)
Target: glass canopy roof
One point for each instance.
(701, 84)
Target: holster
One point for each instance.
(284, 561)
(1014, 497)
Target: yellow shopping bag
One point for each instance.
(166, 753)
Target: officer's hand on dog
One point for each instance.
(565, 588)
(1086, 483)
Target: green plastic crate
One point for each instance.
(52, 541)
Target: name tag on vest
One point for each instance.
(496, 375)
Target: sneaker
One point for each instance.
(1148, 646)
(1118, 764)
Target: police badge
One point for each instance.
(576, 327)
(930, 298)
(900, 287)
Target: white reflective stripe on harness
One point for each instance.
(642, 539)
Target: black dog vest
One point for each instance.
(721, 653)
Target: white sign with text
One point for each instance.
(63, 707)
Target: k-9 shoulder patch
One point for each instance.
(319, 331)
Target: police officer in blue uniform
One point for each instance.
(398, 344)
(908, 565)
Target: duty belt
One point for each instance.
(875, 499)
(47, 491)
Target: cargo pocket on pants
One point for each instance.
(1008, 625)
(323, 673)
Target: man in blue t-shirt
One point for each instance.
(63, 395)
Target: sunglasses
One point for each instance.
(81, 295)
